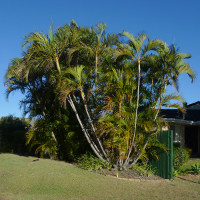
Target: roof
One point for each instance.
(190, 115)
(193, 104)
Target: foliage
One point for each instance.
(180, 157)
(187, 167)
(153, 150)
(189, 151)
(195, 168)
(56, 138)
(112, 85)
(40, 137)
(175, 173)
(143, 170)
(150, 170)
(12, 134)
(91, 162)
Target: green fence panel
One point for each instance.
(164, 166)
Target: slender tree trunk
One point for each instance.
(160, 104)
(136, 114)
(92, 125)
(92, 145)
(135, 161)
(96, 67)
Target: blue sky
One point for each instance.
(174, 21)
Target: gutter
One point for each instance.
(182, 121)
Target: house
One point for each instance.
(186, 127)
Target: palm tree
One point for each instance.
(56, 65)
(97, 44)
(74, 81)
(165, 69)
(172, 62)
(136, 50)
(47, 50)
(115, 125)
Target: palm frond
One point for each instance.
(186, 68)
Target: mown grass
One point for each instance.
(22, 178)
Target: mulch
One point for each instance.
(128, 175)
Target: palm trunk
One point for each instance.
(135, 161)
(136, 113)
(96, 67)
(160, 104)
(92, 145)
(92, 125)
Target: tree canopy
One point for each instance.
(111, 86)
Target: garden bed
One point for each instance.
(128, 174)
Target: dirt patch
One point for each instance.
(128, 174)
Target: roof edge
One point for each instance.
(182, 121)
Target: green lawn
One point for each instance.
(25, 179)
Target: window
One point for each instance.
(176, 133)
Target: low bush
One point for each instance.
(180, 157)
(175, 173)
(138, 168)
(91, 162)
(143, 170)
(12, 135)
(195, 169)
(189, 151)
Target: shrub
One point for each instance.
(195, 168)
(175, 173)
(12, 135)
(180, 157)
(138, 168)
(90, 162)
(189, 151)
(142, 170)
(150, 170)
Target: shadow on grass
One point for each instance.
(188, 180)
(20, 154)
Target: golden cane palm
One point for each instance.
(170, 65)
(137, 50)
(75, 79)
(46, 50)
(58, 63)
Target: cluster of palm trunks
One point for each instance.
(92, 90)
